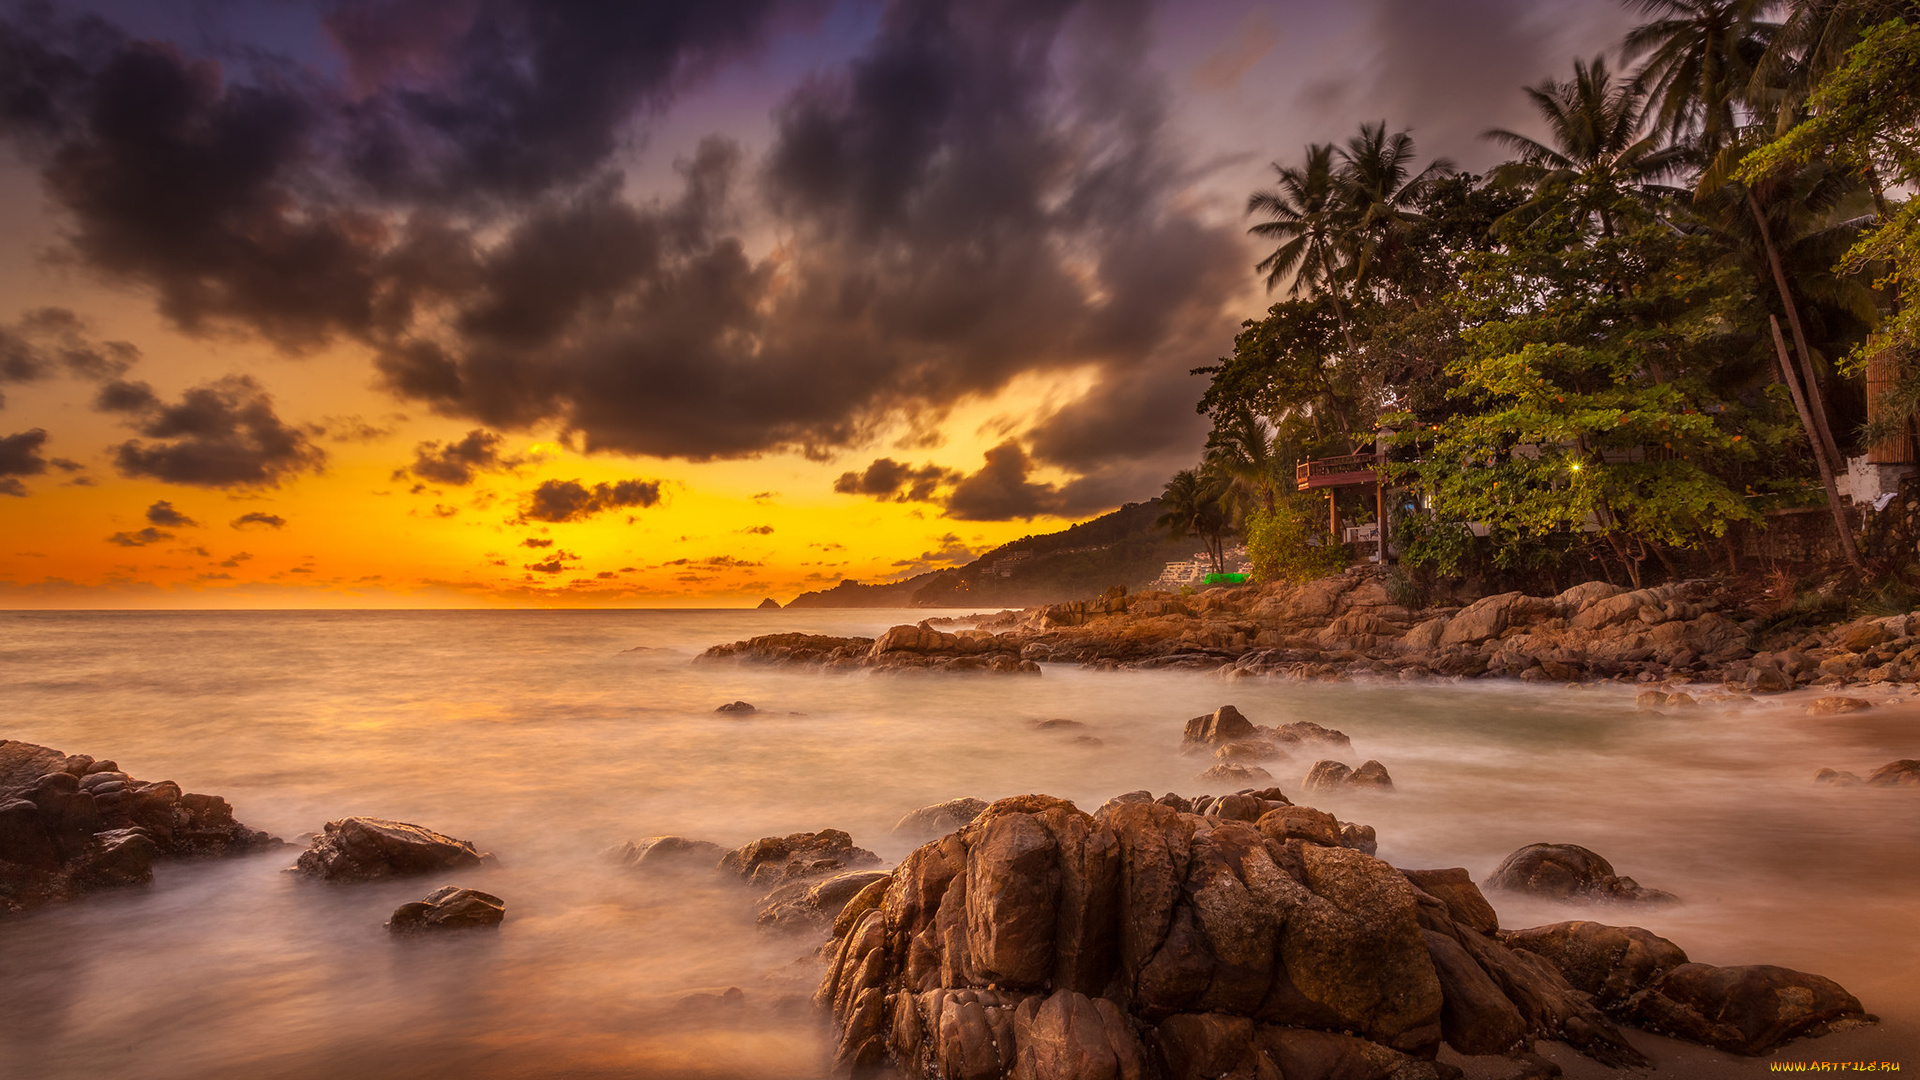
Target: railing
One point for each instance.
(1335, 471)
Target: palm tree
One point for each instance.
(1601, 152)
(1194, 504)
(1241, 449)
(1305, 217)
(1700, 60)
(1378, 198)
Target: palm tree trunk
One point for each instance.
(1840, 524)
(1816, 403)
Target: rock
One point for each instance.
(1828, 706)
(1480, 621)
(1299, 823)
(657, 852)
(1742, 1010)
(769, 604)
(1568, 872)
(449, 908)
(737, 708)
(1303, 732)
(70, 824)
(806, 904)
(773, 860)
(1837, 779)
(1905, 773)
(1613, 963)
(1371, 774)
(1466, 904)
(1223, 725)
(366, 849)
(1234, 774)
(938, 819)
(1249, 750)
(1326, 776)
(1763, 679)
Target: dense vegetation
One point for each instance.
(1660, 322)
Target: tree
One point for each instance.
(1592, 407)
(1306, 217)
(1700, 59)
(1194, 504)
(1603, 157)
(1379, 198)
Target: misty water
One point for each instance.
(546, 737)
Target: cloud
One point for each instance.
(536, 542)
(50, 339)
(255, 517)
(236, 559)
(458, 463)
(757, 530)
(148, 535)
(20, 456)
(162, 513)
(952, 552)
(887, 479)
(351, 429)
(569, 500)
(1000, 491)
(223, 434)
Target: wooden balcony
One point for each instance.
(1335, 472)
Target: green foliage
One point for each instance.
(1286, 544)
(1590, 402)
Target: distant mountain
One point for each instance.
(1121, 548)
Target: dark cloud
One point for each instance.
(570, 500)
(1000, 491)
(536, 542)
(553, 565)
(458, 463)
(222, 434)
(65, 465)
(148, 535)
(758, 530)
(163, 514)
(952, 551)
(236, 559)
(507, 98)
(351, 429)
(255, 517)
(889, 479)
(48, 340)
(20, 454)
(987, 191)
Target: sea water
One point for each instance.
(548, 737)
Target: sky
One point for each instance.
(687, 303)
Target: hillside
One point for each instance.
(1120, 548)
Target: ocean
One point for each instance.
(547, 737)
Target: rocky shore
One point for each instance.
(70, 824)
(1347, 626)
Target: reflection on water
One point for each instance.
(544, 737)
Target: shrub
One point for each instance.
(1286, 544)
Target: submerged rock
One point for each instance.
(367, 849)
(1569, 872)
(655, 852)
(1335, 776)
(449, 908)
(1896, 774)
(70, 824)
(736, 708)
(1829, 706)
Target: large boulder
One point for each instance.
(1905, 773)
(1612, 963)
(1568, 872)
(774, 860)
(367, 849)
(1742, 1010)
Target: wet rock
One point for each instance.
(1336, 776)
(774, 860)
(1466, 905)
(737, 708)
(1742, 1010)
(1905, 773)
(1568, 872)
(1829, 706)
(1370, 774)
(1249, 750)
(1299, 823)
(808, 904)
(70, 824)
(1306, 732)
(1613, 963)
(1223, 725)
(448, 908)
(367, 849)
(938, 819)
(1835, 778)
(657, 852)
(1234, 774)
